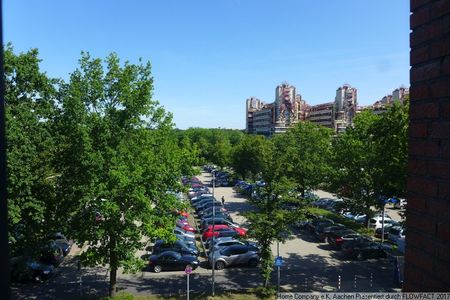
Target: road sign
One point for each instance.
(278, 261)
(188, 270)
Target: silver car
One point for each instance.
(234, 255)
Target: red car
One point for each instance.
(185, 226)
(208, 233)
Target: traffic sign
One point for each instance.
(278, 261)
(188, 270)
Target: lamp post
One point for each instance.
(213, 236)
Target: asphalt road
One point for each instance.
(308, 266)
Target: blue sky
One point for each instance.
(208, 56)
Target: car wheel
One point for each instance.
(157, 268)
(253, 262)
(220, 265)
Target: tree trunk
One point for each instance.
(113, 267)
(112, 282)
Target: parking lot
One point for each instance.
(308, 266)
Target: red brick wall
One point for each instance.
(427, 259)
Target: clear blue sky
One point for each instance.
(208, 56)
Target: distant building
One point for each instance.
(268, 119)
(289, 108)
(400, 94)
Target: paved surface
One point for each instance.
(308, 266)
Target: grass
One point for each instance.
(225, 296)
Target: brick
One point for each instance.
(417, 203)
(422, 186)
(424, 110)
(412, 277)
(423, 148)
(440, 88)
(421, 241)
(421, 223)
(419, 17)
(418, 37)
(419, 92)
(418, 3)
(440, 169)
(417, 129)
(439, 8)
(443, 253)
(419, 55)
(425, 72)
(444, 191)
(440, 130)
(417, 167)
(445, 66)
(445, 150)
(438, 48)
(421, 259)
(443, 231)
(436, 207)
(431, 284)
(442, 271)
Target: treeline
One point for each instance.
(366, 162)
(94, 157)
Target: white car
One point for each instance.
(401, 203)
(376, 222)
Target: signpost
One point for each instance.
(188, 271)
(278, 264)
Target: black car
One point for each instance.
(25, 268)
(177, 246)
(209, 211)
(363, 249)
(319, 221)
(323, 230)
(171, 260)
(218, 215)
(208, 205)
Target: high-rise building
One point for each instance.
(276, 117)
(345, 105)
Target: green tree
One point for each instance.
(355, 164)
(270, 223)
(221, 154)
(118, 158)
(30, 110)
(247, 158)
(305, 151)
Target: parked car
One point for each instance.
(337, 238)
(396, 233)
(188, 241)
(171, 260)
(234, 255)
(363, 249)
(51, 253)
(208, 232)
(209, 211)
(378, 221)
(186, 227)
(218, 215)
(318, 221)
(208, 205)
(24, 268)
(222, 243)
(177, 246)
(201, 197)
(180, 231)
(205, 222)
(227, 232)
(323, 230)
(202, 201)
(400, 203)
